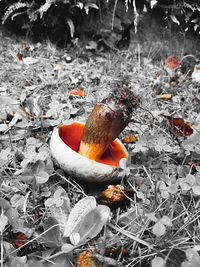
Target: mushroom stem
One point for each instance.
(106, 121)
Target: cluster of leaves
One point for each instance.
(184, 13)
(57, 19)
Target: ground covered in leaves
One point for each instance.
(151, 218)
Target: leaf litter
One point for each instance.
(39, 90)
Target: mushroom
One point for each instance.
(92, 152)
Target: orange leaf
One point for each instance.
(172, 62)
(192, 164)
(130, 138)
(77, 92)
(20, 56)
(165, 96)
(85, 259)
(116, 252)
(19, 239)
(115, 197)
(180, 127)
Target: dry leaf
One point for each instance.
(180, 127)
(90, 226)
(78, 212)
(85, 221)
(77, 92)
(85, 259)
(165, 96)
(130, 138)
(19, 239)
(115, 197)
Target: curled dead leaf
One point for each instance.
(180, 127)
(85, 259)
(115, 197)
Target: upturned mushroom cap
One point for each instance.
(64, 146)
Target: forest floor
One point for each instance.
(155, 221)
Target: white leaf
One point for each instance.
(67, 248)
(90, 225)
(75, 238)
(14, 119)
(158, 262)
(159, 229)
(195, 20)
(30, 60)
(3, 222)
(174, 19)
(162, 141)
(190, 253)
(164, 194)
(196, 190)
(77, 214)
(3, 127)
(198, 168)
(144, 9)
(153, 3)
(88, 5)
(167, 148)
(190, 179)
(140, 195)
(184, 186)
(166, 221)
(42, 177)
(79, 5)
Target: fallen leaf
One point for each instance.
(192, 164)
(77, 92)
(20, 56)
(172, 62)
(3, 222)
(19, 239)
(85, 259)
(85, 221)
(180, 127)
(90, 226)
(78, 212)
(165, 96)
(115, 252)
(159, 229)
(158, 262)
(30, 60)
(130, 138)
(115, 197)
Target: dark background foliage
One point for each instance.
(61, 21)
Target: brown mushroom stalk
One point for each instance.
(106, 121)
